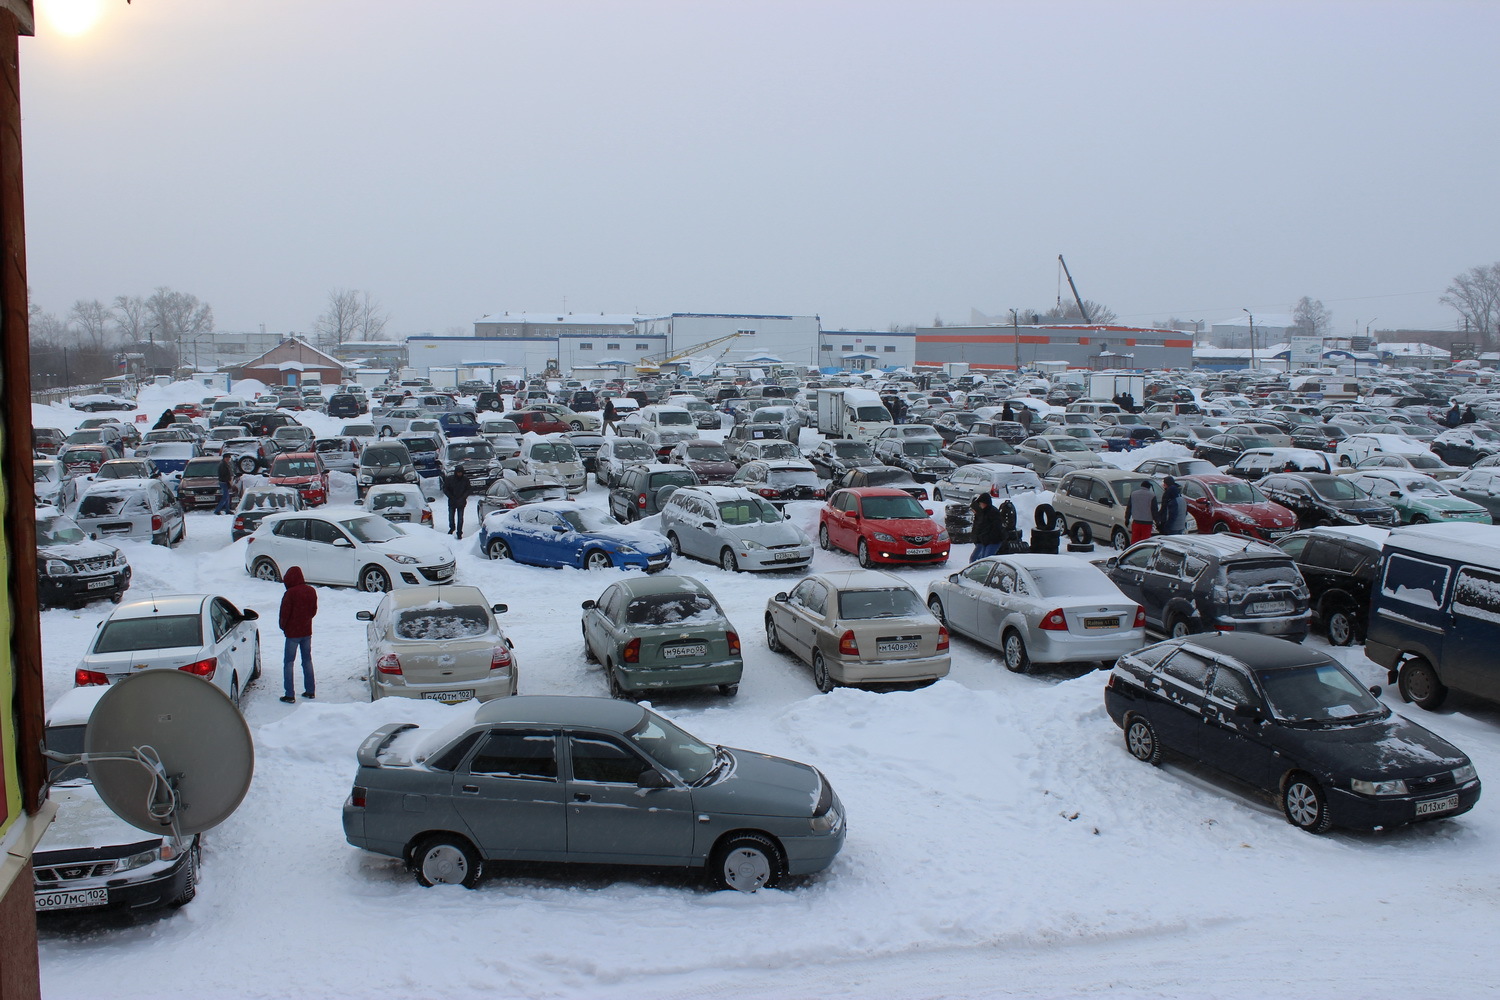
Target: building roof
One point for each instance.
(566, 319)
(332, 362)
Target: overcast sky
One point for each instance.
(870, 162)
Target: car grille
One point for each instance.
(73, 873)
(443, 571)
(94, 565)
(918, 539)
(1377, 516)
(1432, 783)
(789, 545)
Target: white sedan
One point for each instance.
(199, 634)
(347, 547)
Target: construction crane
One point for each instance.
(651, 363)
(1081, 310)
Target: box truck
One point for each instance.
(852, 413)
(1108, 386)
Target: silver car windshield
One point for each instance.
(685, 755)
(892, 603)
(740, 512)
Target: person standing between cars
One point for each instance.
(1469, 417)
(986, 527)
(165, 420)
(1024, 416)
(456, 489)
(1454, 417)
(1172, 511)
(1006, 413)
(298, 607)
(609, 417)
(1141, 510)
(226, 478)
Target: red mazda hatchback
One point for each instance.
(1229, 504)
(882, 526)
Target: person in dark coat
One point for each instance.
(456, 489)
(1454, 417)
(226, 480)
(1025, 417)
(299, 605)
(610, 416)
(1006, 413)
(165, 420)
(986, 532)
(1469, 417)
(1171, 511)
(898, 410)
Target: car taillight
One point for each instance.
(155, 522)
(734, 642)
(202, 668)
(640, 501)
(1140, 618)
(357, 797)
(768, 493)
(390, 663)
(942, 638)
(1055, 621)
(848, 644)
(426, 517)
(88, 678)
(632, 651)
(500, 658)
(354, 447)
(239, 522)
(820, 494)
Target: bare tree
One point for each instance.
(351, 315)
(178, 316)
(1475, 294)
(90, 318)
(1310, 318)
(372, 318)
(130, 318)
(1068, 311)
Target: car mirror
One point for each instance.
(365, 616)
(249, 615)
(500, 609)
(588, 605)
(1375, 690)
(1111, 562)
(652, 778)
(780, 597)
(1247, 711)
(342, 543)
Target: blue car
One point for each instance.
(561, 533)
(459, 423)
(423, 448)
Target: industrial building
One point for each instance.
(1080, 346)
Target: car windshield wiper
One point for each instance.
(721, 759)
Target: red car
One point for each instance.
(1229, 504)
(190, 410)
(304, 472)
(537, 422)
(79, 459)
(882, 526)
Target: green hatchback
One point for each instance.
(1418, 498)
(661, 633)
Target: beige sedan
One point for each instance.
(439, 643)
(858, 627)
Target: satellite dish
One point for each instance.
(196, 734)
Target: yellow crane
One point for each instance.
(651, 363)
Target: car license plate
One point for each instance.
(895, 647)
(98, 584)
(1282, 533)
(787, 557)
(1101, 623)
(73, 900)
(1269, 607)
(1430, 806)
(919, 552)
(442, 574)
(463, 695)
(685, 649)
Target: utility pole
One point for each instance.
(1247, 312)
(1015, 332)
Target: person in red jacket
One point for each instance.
(298, 606)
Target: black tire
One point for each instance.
(1345, 461)
(1141, 740)
(747, 862)
(374, 580)
(823, 541)
(1341, 623)
(864, 555)
(821, 677)
(616, 689)
(497, 549)
(446, 859)
(729, 690)
(1119, 539)
(575, 425)
(1419, 519)
(1046, 517)
(1081, 533)
(1017, 660)
(597, 559)
(1222, 528)
(264, 569)
(773, 638)
(190, 880)
(676, 544)
(255, 670)
(1008, 516)
(935, 605)
(1419, 684)
(937, 494)
(1305, 805)
(588, 651)
(1179, 625)
(727, 561)
(234, 691)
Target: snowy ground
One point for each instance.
(1002, 842)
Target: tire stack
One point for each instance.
(1012, 540)
(958, 518)
(1081, 538)
(1045, 536)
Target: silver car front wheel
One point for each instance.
(748, 862)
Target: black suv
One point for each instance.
(489, 401)
(1290, 722)
(345, 404)
(644, 488)
(835, 456)
(263, 423)
(1339, 567)
(1319, 498)
(1207, 583)
(73, 569)
(382, 463)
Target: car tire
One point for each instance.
(1179, 625)
(824, 542)
(937, 494)
(374, 580)
(247, 465)
(1017, 661)
(588, 651)
(729, 690)
(1340, 624)
(864, 555)
(1305, 805)
(575, 425)
(675, 542)
(821, 677)
(935, 605)
(1119, 539)
(1419, 519)
(1141, 740)
(190, 881)
(727, 562)
(497, 549)
(234, 691)
(446, 859)
(1045, 518)
(747, 862)
(1081, 533)
(264, 569)
(773, 638)
(1419, 684)
(597, 559)
(616, 689)
(1221, 528)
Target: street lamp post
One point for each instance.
(1247, 312)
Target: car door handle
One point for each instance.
(470, 789)
(582, 797)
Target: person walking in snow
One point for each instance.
(1141, 510)
(610, 416)
(226, 481)
(299, 605)
(986, 532)
(456, 489)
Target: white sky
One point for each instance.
(871, 162)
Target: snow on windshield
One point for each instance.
(672, 609)
(437, 623)
(895, 602)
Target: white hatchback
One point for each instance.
(734, 528)
(347, 547)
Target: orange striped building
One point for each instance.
(1081, 346)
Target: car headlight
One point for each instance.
(119, 560)
(136, 861)
(403, 560)
(942, 534)
(1241, 516)
(828, 822)
(365, 477)
(751, 543)
(58, 567)
(881, 536)
(1393, 787)
(411, 475)
(1464, 775)
(623, 549)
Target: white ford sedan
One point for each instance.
(347, 547)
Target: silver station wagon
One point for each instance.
(550, 778)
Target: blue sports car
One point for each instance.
(560, 533)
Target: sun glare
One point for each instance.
(72, 17)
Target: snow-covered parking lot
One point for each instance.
(1001, 841)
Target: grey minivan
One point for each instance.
(552, 778)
